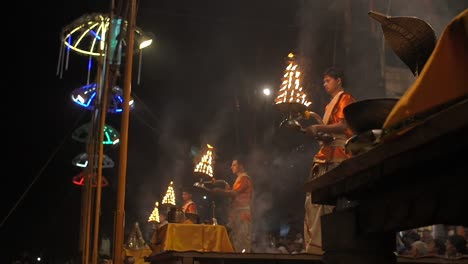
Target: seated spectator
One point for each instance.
(455, 247)
(408, 238)
(418, 249)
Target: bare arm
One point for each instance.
(337, 128)
(228, 193)
(240, 186)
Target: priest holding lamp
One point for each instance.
(240, 221)
(330, 154)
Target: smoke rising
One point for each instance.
(214, 80)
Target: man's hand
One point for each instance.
(217, 190)
(312, 130)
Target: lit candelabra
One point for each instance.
(154, 217)
(204, 167)
(169, 197)
(291, 98)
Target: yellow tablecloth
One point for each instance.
(196, 237)
(444, 77)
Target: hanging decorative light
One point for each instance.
(204, 168)
(111, 136)
(87, 34)
(291, 98)
(84, 96)
(169, 198)
(82, 161)
(83, 176)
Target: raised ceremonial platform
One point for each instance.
(191, 257)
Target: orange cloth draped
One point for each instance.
(190, 207)
(195, 237)
(244, 189)
(333, 153)
(443, 79)
(240, 220)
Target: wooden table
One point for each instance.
(415, 180)
(194, 237)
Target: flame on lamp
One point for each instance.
(169, 198)
(291, 90)
(205, 166)
(154, 217)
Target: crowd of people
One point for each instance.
(451, 244)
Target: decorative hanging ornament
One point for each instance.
(87, 35)
(82, 161)
(85, 96)
(81, 178)
(111, 136)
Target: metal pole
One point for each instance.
(120, 213)
(104, 84)
(89, 174)
(89, 204)
(84, 195)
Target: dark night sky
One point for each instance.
(205, 54)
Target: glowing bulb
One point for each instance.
(145, 43)
(267, 91)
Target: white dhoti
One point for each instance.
(313, 212)
(312, 225)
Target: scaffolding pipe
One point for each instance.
(122, 173)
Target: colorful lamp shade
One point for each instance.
(111, 136)
(81, 178)
(86, 35)
(82, 161)
(85, 96)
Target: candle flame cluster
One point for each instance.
(169, 198)
(291, 90)
(154, 217)
(205, 165)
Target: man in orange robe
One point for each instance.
(189, 205)
(330, 154)
(240, 221)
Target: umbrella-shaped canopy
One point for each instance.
(411, 38)
(87, 34)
